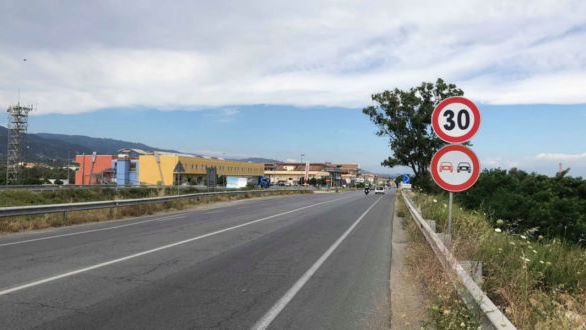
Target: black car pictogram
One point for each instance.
(464, 166)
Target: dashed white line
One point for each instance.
(164, 247)
(270, 316)
(91, 230)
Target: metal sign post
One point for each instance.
(455, 167)
(450, 213)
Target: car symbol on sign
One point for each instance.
(464, 166)
(446, 166)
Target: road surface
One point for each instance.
(317, 261)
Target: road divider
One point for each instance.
(150, 251)
(57, 208)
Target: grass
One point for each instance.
(22, 223)
(445, 309)
(538, 283)
(72, 195)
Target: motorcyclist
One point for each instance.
(366, 190)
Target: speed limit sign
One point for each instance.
(455, 119)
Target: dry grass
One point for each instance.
(538, 283)
(445, 308)
(32, 222)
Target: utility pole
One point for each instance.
(68, 182)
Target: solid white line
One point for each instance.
(270, 316)
(92, 230)
(164, 247)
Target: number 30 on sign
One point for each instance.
(455, 119)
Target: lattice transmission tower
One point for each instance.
(17, 126)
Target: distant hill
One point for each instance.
(49, 146)
(257, 160)
(100, 145)
(46, 146)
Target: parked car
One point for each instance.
(464, 166)
(379, 190)
(446, 166)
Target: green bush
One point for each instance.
(554, 207)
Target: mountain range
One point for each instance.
(43, 147)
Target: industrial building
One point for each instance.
(133, 167)
(291, 173)
(94, 169)
(175, 169)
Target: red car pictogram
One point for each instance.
(446, 166)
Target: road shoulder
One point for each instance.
(407, 301)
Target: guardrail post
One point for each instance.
(474, 268)
(431, 224)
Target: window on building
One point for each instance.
(132, 167)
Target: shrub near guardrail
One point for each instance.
(45, 220)
(538, 282)
(553, 207)
(27, 197)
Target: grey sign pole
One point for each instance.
(450, 216)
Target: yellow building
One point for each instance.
(168, 169)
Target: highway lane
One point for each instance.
(213, 268)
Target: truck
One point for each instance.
(264, 181)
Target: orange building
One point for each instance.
(94, 169)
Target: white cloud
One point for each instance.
(546, 163)
(560, 156)
(85, 56)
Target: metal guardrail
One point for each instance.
(473, 294)
(55, 187)
(12, 211)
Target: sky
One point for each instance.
(280, 78)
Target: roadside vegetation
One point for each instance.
(539, 282)
(445, 309)
(553, 207)
(75, 195)
(22, 223)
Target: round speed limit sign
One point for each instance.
(455, 119)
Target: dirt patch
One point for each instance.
(408, 310)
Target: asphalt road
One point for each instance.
(317, 261)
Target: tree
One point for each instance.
(405, 118)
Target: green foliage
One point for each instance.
(537, 281)
(552, 207)
(405, 118)
(38, 175)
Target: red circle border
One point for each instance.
(454, 187)
(445, 103)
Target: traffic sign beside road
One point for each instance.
(455, 168)
(455, 119)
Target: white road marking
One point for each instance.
(171, 217)
(212, 212)
(270, 316)
(164, 247)
(92, 230)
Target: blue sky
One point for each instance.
(124, 69)
(531, 137)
